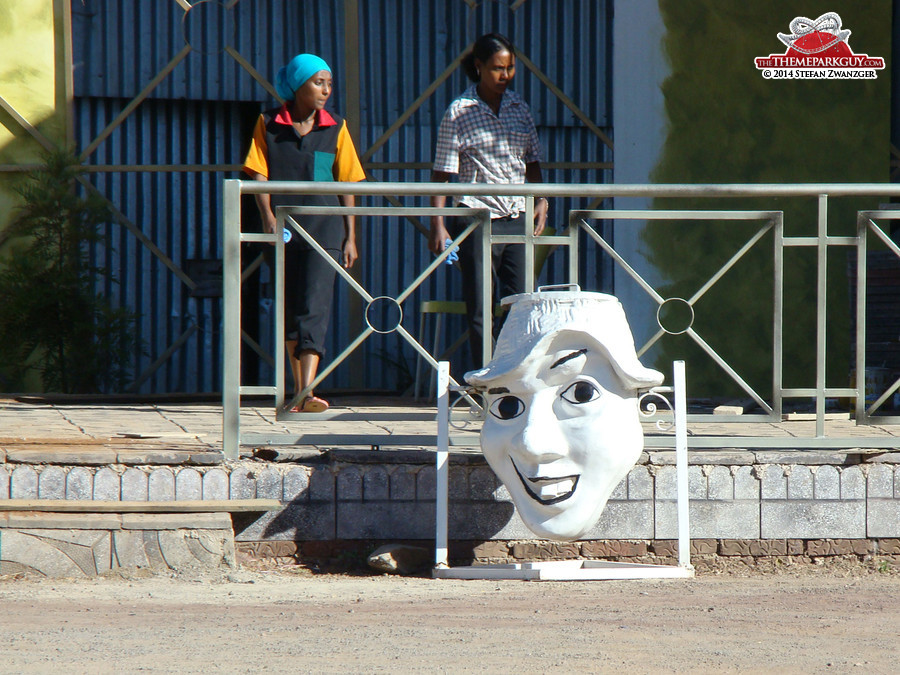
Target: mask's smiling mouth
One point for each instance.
(548, 490)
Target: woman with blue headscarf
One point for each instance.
(301, 141)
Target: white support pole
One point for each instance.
(442, 464)
(681, 465)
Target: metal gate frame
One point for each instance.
(285, 215)
(774, 220)
(821, 242)
(866, 224)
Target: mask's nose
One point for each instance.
(542, 439)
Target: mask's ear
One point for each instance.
(619, 349)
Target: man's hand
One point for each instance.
(438, 236)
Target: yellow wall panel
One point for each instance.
(33, 71)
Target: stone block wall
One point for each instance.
(386, 495)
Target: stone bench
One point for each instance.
(114, 506)
(69, 538)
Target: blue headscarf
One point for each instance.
(292, 76)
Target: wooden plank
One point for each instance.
(187, 506)
(809, 417)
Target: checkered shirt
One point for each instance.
(486, 148)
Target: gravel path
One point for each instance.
(288, 619)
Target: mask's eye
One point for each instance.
(507, 407)
(581, 392)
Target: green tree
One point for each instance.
(52, 322)
(727, 124)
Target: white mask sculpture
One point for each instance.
(562, 427)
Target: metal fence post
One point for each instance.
(821, 316)
(231, 340)
(529, 243)
(778, 318)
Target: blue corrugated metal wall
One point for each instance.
(200, 113)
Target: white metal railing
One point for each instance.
(580, 220)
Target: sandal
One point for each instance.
(311, 404)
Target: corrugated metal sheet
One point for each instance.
(202, 112)
(429, 36)
(180, 212)
(120, 45)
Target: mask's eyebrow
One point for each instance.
(569, 357)
(498, 390)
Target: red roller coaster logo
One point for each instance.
(818, 49)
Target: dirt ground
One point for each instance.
(806, 620)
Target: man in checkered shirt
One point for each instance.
(487, 135)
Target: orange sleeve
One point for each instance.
(256, 156)
(347, 166)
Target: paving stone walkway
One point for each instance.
(32, 429)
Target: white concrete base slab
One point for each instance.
(565, 570)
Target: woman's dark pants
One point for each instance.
(507, 274)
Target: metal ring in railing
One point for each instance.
(674, 301)
(399, 318)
